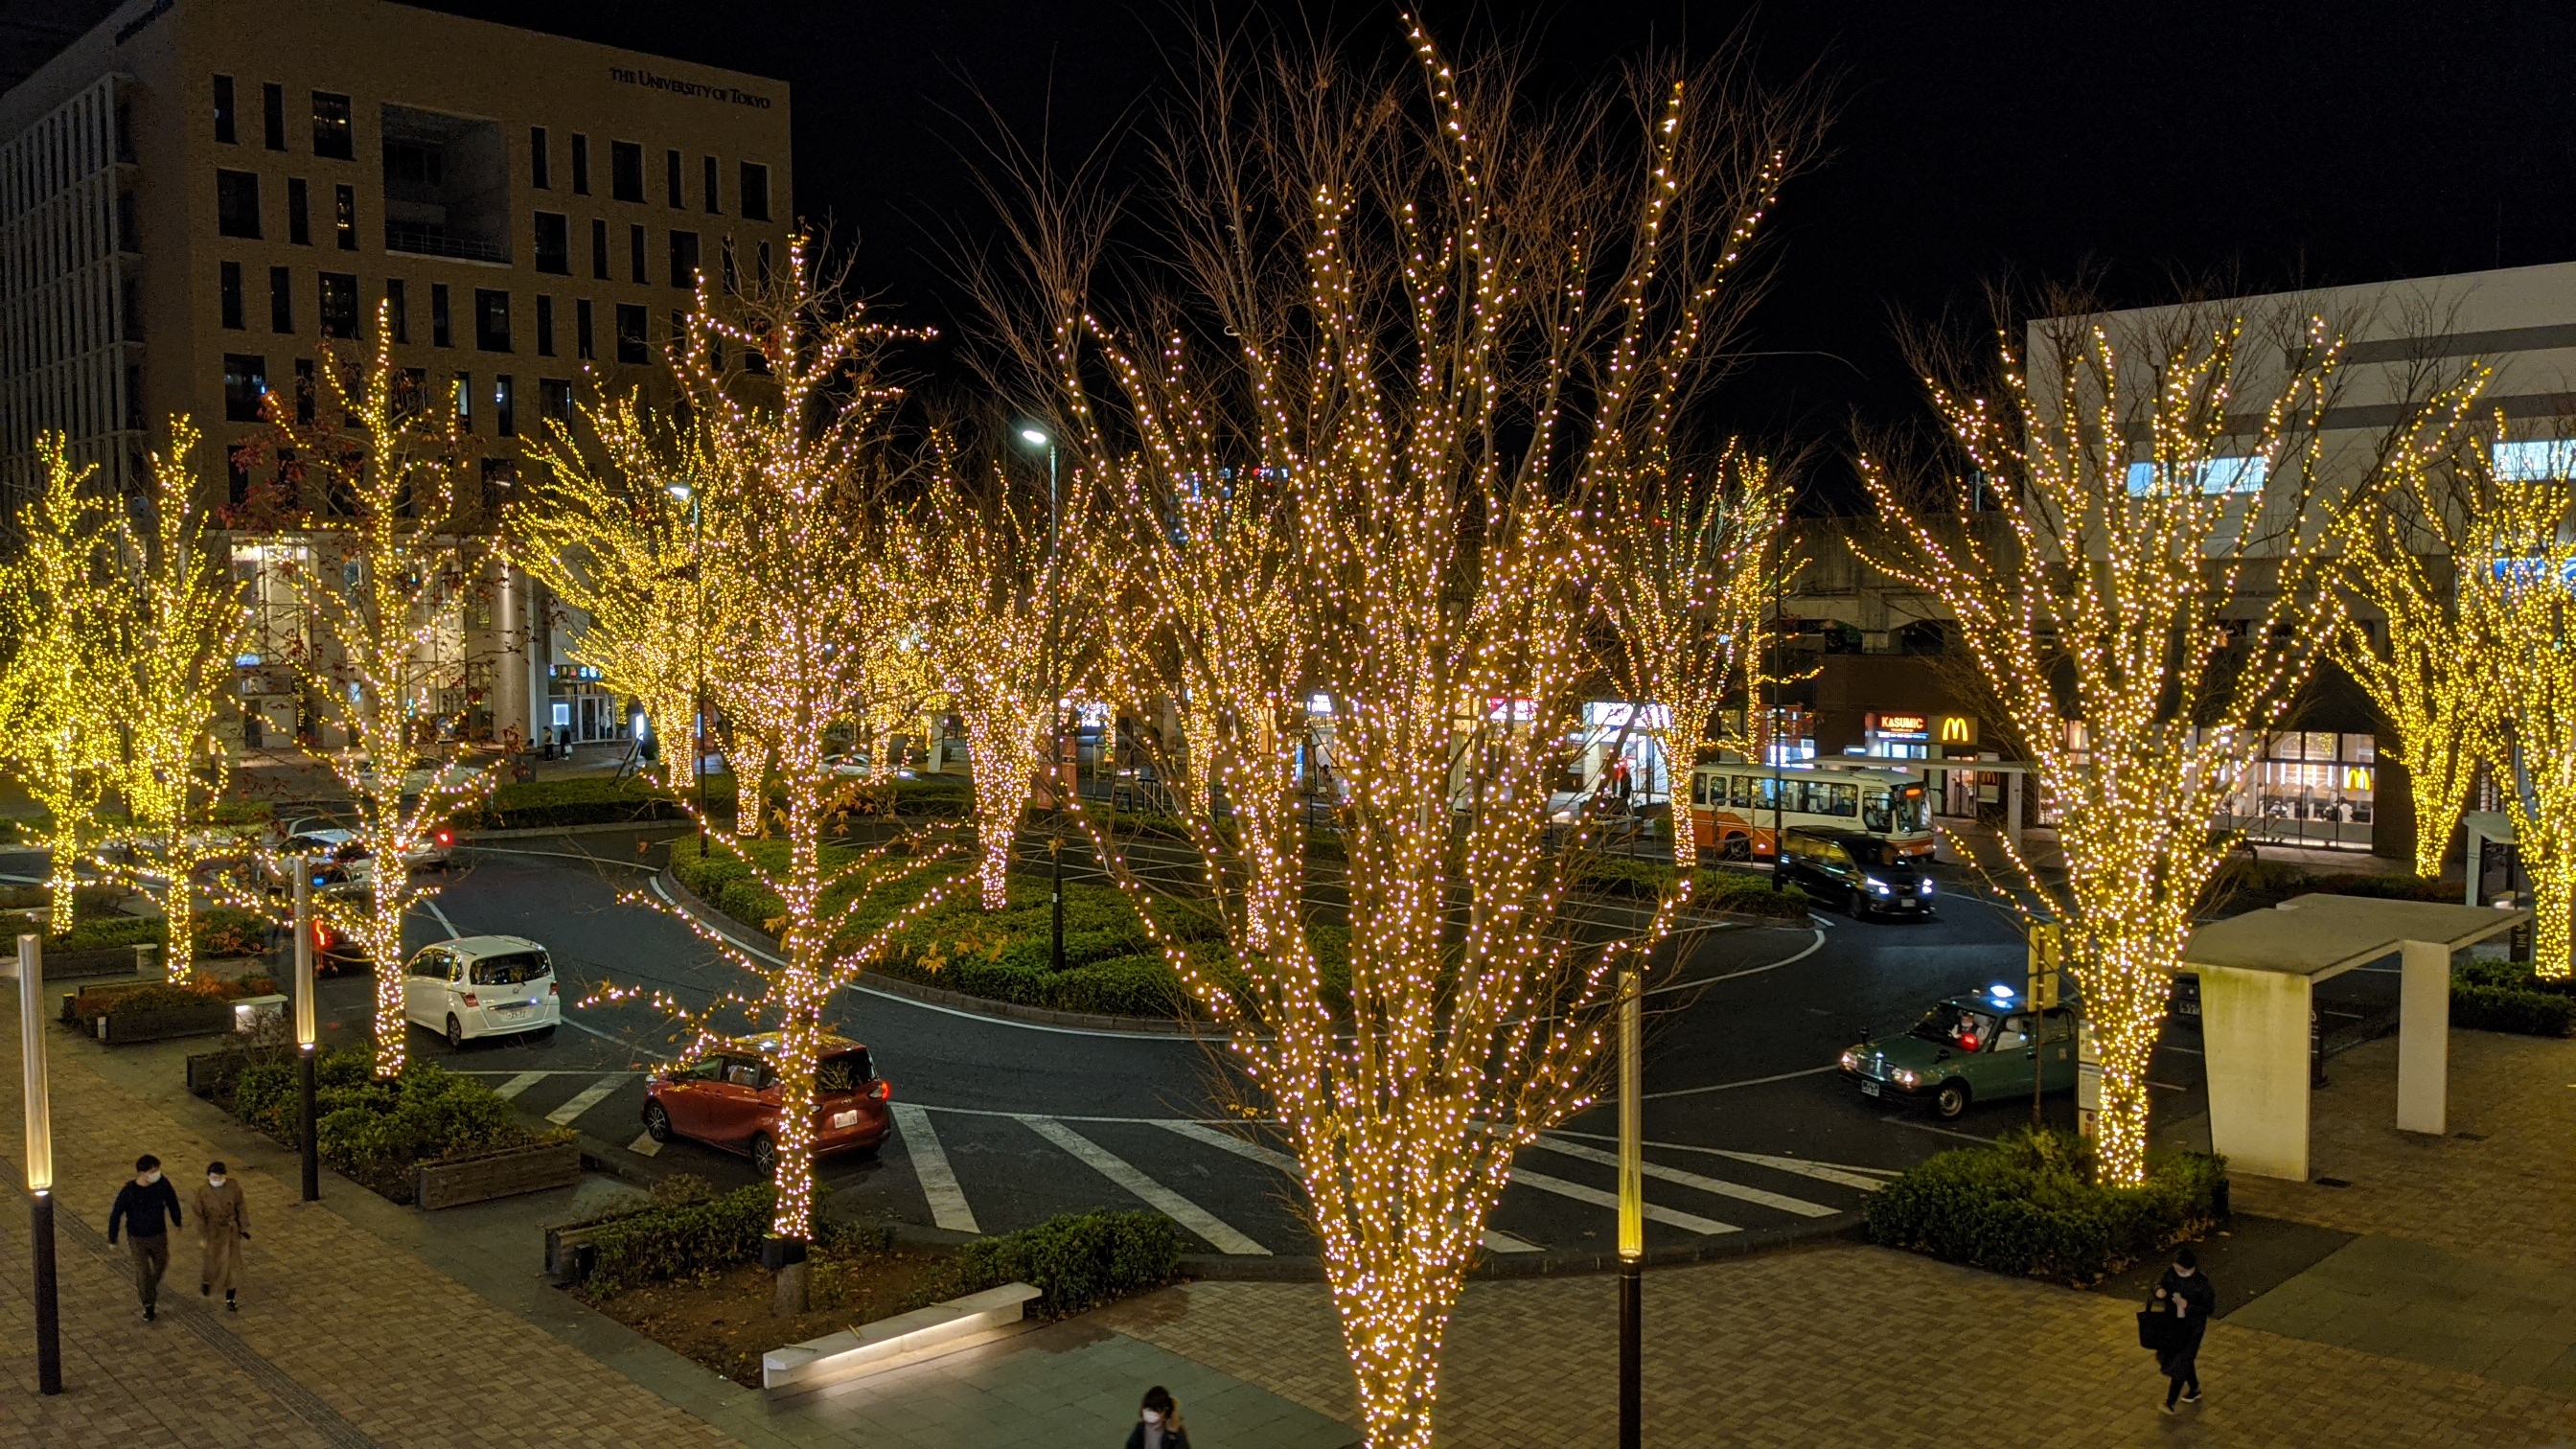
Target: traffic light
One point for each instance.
(2047, 960)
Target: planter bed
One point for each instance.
(506, 1173)
(153, 1010)
(722, 1320)
(384, 1134)
(865, 1349)
(123, 1028)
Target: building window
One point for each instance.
(630, 333)
(635, 253)
(753, 197)
(505, 412)
(237, 204)
(339, 304)
(237, 465)
(732, 283)
(580, 164)
(331, 137)
(299, 227)
(713, 204)
(129, 228)
(684, 259)
(2534, 460)
(245, 383)
(228, 290)
(599, 250)
(545, 326)
(344, 216)
(224, 131)
(465, 402)
(671, 178)
(272, 116)
(397, 310)
(626, 170)
(2211, 476)
(764, 264)
(491, 320)
(281, 300)
(554, 398)
(537, 176)
(441, 333)
(581, 343)
(304, 390)
(554, 243)
(500, 475)
(410, 391)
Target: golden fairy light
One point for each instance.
(2517, 587)
(58, 715)
(1349, 457)
(387, 568)
(2096, 550)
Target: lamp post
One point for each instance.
(308, 1043)
(40, 1163)
(1632, 1210)
(1037, 438)
(698, 692)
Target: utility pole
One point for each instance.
(1055, 697)
(1632, 1210)
(40, 1164)
(308, 1043)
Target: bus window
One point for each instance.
(1843, 800)
(1743, 788)
(1766, 793)
(1874, 814)
(1914, 809)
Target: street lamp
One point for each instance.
(40, 1163)
(1039, 438)
(698, 693)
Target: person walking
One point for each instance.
(2184, 1292)
(223, 1225)
(1158, 1423)
(147, 1208)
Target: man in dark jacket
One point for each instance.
(2184, 1292)
(147, 1208)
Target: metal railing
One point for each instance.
(438, 241)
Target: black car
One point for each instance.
(1859, 870)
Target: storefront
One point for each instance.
(582, 711)
(1617, 754)
(2315, 788)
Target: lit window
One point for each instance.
(2535, 459)
(2209, 476)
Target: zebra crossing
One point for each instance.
(979, 1170)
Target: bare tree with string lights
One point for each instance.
(1408, 329)
(58, 717)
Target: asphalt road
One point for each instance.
(1004, 1123)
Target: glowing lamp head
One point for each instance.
(680, 491)
(1035, 437)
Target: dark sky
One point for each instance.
(2259, 142)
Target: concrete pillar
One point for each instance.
(509, 646)
(2424, 1038)
(2012, 808)
(2254, 1027)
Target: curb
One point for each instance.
(606, 827)
(1844, 1227)
(1139, 1026)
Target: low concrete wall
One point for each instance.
(873, 1348)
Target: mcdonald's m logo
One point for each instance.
(1958, 729)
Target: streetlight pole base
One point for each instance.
(308, 1136)
(1632, 1290)
(49, 1325)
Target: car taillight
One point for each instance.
(470, 1001)
(446, 837)
(881, 1089)
(550, 988)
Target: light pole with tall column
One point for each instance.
(1037, 438)
(308, 1036)
(40, 1163)
(698, 692)
(1632, 1207)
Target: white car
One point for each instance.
(482, 986)
(450, 776)
(343, 866)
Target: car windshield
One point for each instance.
(1865, 851)
(1956, 1026)
(511, 970)
(842, 1073)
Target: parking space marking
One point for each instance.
(1778, 1202)
(430, 904)
(587, 1098)
(1162, 1199)
(1747, 1082)
(520, 1083)
(1670, 1217)
(948, 1207)
(1217, 1137)
(644, 1145)
(1842, 1174)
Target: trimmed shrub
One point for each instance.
(95, 1001)
(229, 931)
(681, 1240)
(1737, 893)
(377, 1132)
(2508, 996)
(1077, 1261)
(2028, 1206)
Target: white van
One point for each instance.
(483, 986)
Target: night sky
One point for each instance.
(2254, 144)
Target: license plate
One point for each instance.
(845, 1119)
(1869, 1089)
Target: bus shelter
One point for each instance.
(2258, 974)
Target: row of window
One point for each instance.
(237, 210)
(2532, 460)
(246, 386)
(337, 314)
(334, 140)
(683, 249)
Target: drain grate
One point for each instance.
(2334, 1182)
(2470, 1136)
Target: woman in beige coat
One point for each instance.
(223, 1225)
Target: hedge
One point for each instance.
(600, 800)
(2028, 1206)
(2248, 885)
(2508, 996)
(681, 1239)
(219, 931)
(1076, 1262)
(377, 1132)
(94, 1001)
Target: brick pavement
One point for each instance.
(342, 1340)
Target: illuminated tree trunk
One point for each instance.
(2437, 795)
(178, 911)
(1005, 777)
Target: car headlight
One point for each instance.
(1876, 886)
(1850, 1061)
(1925, 886)
(1906, 1078)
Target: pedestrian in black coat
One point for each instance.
(1158, 1423)
(2185, 1292)
(146, 1209)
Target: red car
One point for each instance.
(729, 1099)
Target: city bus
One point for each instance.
(1734, 808)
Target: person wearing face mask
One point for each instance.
(1158, 1424)
(147, 1208)
(223, 1225)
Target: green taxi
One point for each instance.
(1966, 1049)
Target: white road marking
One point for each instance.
(594, 1031)
(1776, 1201)
(1162, 1199)
(1842, 1174)
(948, 1207)
(1747, 1082)
(1904, 1121)
(430, 904)
(1673, 1217)
(1496, 1241)
(1812, 948)
(587, 1098)
(644, 1145)
(520, 1083)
